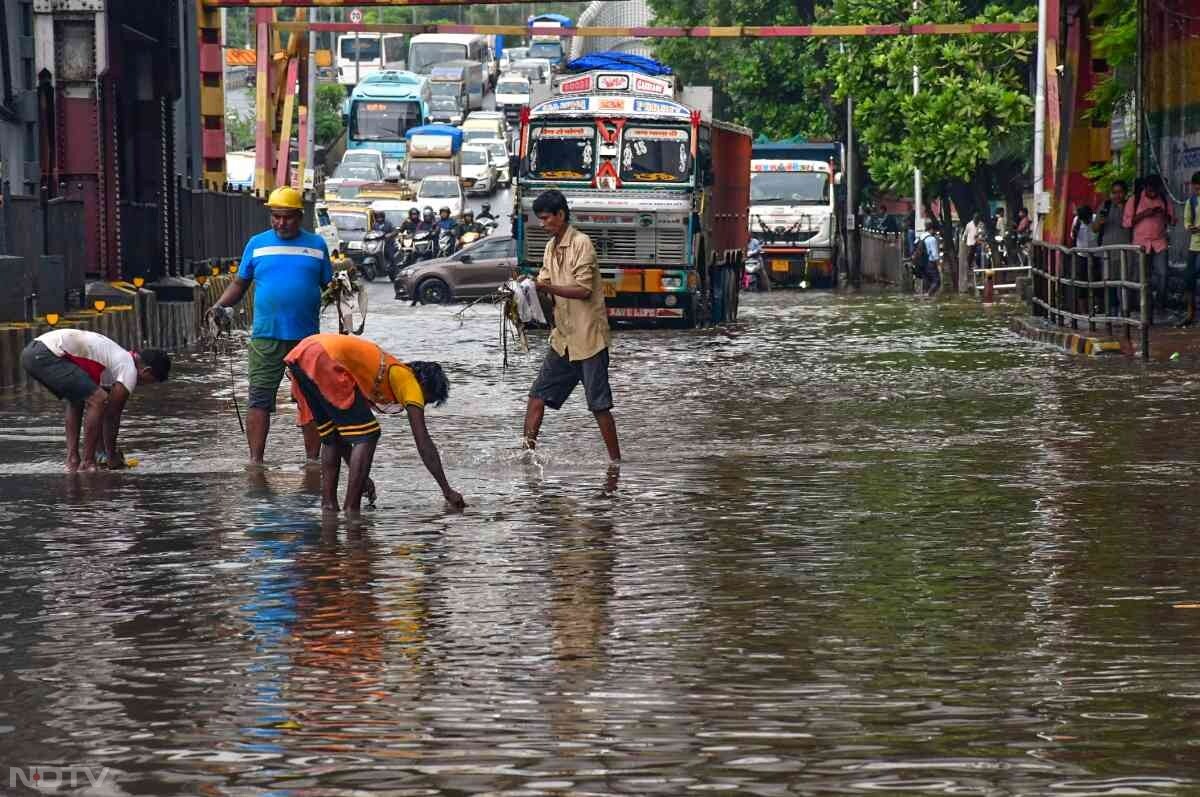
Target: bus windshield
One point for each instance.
(655, 155)
(422, 56)
(789, 188)
(384, 121)
(562, 152)
(368, 49)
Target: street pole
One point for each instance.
(853, 264)
(919, 218)
(1039, 126)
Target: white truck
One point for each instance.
(794, 211)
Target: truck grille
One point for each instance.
(622, 246)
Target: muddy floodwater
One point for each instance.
(858, 544)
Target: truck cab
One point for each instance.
(433, 151)
(793, 212)
(449, 98)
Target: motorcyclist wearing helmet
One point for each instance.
(485, 212)
(412, 223)
(467, 225)
(445, 220)
(428, 220)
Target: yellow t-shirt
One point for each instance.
(405, 386)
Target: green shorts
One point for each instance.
(265, 370)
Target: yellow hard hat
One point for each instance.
(285, 198)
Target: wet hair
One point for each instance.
(552, 202)
(1153, 182)
(158, 361)
(432, 379)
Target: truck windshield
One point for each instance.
(789, 188)
(512, 87)
(562, 152)
(422, 56)
(444, 102)
(551, 50)
(384, 121)
(445, 89)
(419, 170)
(655, 155)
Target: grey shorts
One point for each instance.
(559, 376)
(60, 376)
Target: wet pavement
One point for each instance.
(858, 545)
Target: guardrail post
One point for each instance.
(1145, 294)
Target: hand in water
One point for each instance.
(454, 499)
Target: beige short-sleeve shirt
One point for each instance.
(580, 325)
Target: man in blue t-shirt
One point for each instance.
(289, 267)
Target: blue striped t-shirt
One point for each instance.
(288, 276)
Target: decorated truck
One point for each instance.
(794, 211)
(661, 190)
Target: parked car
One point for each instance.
(478, 173)
(473, 271)
(498, 151)
(349, 177)
(441, 191)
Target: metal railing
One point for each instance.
(882, 257)
(1104, 285)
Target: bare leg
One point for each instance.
(361, 457)
(331, 465)
(369, 487)
(608, 430)
(535, 411)
(258, 424)
(93, 428)
(312, 440)
(74, 422)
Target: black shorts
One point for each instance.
(60, 376)
(354, 425)
(559, 376)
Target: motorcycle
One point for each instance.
(489, 225)
(469, 238)
(754, 276)
(422, 247)
(445, 243)
(373, 261)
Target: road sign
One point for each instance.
(356, 16)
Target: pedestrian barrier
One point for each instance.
(882, 256)
(1005, 278)
(1103, 285)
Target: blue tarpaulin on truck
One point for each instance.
(626, 62)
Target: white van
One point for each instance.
(512, 94)
(484, 124)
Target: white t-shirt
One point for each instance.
(972, 233)
(101, 358)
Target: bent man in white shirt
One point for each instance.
(95, 376)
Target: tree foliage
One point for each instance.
(328, 113)
(971, 123)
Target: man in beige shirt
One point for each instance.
(579, 341)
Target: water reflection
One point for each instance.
(858, 544)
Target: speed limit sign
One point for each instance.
(356, 15)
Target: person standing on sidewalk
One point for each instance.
(1191, 221)
(289, 267)
(580, 338)
(1148, 213)
(932, 282)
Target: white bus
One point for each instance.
(426, 50)
(376, 52)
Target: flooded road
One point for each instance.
(858, 545)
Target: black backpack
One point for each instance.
(920, 256)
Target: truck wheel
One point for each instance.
(433, 291)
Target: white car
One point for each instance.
(512, 93)
(372, 157)
(478, 174)
(441, 191)
(500, 158)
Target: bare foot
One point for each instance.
(88, 466)
(72, 464)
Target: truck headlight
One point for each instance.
(671, 283)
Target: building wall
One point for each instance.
(18, 100)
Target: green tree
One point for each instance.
(328, 113)
(239, 131)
